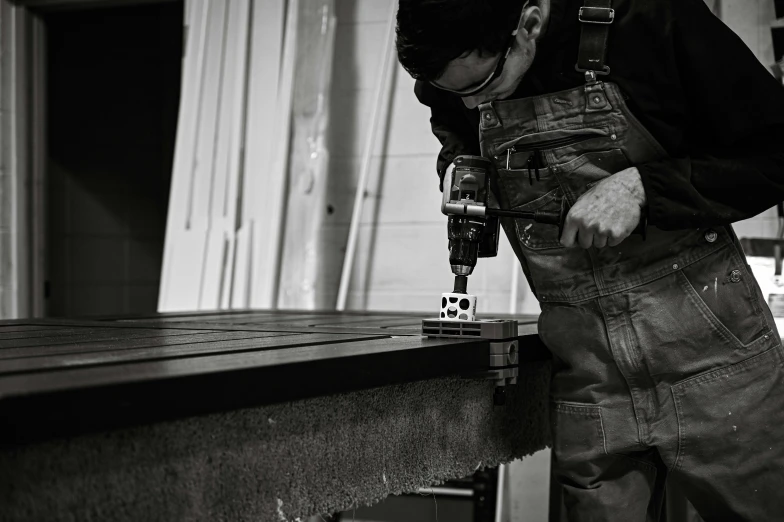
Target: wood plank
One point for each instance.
(231, 204)
(226, 171)
(266, 50)
(187, 125)
(302, 249)
(212, 272)
(228, 269)
(204, 171)
(182, 287)
(94, 347)
(265, 56)
(76, 378)
(268, 221)
(239, 296)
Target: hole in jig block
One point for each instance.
(453, 299)
(463, 316)
(443, 302)
(464, 304)
(452, 312)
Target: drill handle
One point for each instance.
(558, 218)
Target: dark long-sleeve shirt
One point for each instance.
(694, 85)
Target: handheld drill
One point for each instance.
(473, 226)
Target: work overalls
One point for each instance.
(667, 361)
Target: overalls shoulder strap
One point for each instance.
(595, 17)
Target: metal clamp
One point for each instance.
(596, 15)
(504, 347)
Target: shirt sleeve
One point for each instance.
(449, 125)
(734, 166)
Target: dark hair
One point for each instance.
(431, 33)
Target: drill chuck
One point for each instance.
(461, 284)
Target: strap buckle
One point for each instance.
(590, 75)
(596, 15)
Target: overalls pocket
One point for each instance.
(579, 433)
(521, 191)
(698, 318)
(588, 169)
(724, 289)
(723, 413)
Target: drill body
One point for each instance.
(472, 233)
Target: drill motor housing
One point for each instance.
(472, 233)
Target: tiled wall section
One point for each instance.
(402, 259)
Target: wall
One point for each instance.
(402, 259)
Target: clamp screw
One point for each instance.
(675, 266)
(711, 236)
(735, 276)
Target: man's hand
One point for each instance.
(606, 214)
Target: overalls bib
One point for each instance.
(666, 357)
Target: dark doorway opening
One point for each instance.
(112, 96)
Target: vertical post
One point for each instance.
(18, 72)
(37, 188)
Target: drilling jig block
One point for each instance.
(504, 346)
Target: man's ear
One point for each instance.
(531, 23)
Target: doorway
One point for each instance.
(112, 78)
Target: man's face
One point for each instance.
(471, 70)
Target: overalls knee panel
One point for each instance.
(649, 336)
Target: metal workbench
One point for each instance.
(67, 376)
(252, 415)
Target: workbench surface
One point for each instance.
(251, 415)
(66, 375)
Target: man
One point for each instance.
(667, 362)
